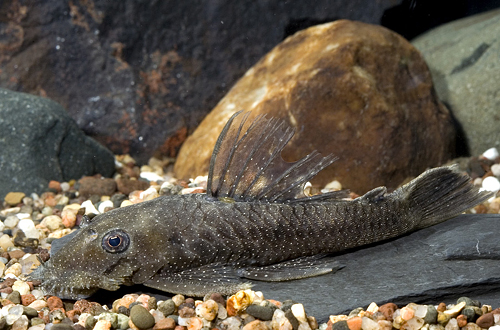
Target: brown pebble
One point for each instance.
(16, 254)
(388, 310)
(56, 185)
(180, 327)
(486, 320)
(14, 198)
(72, 315)
(6, 302)
(218, 298)
(7, 283)
(165, 324)
(441, 307)
(496, 311)
(126, 186)
(82, 306)
(7, 290)
(90, 185)
(27, 299)
(461, 321)
(189, 301)
(54, 302)
(186, 312)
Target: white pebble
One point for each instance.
(21, 216)
(26, 224)
(491, 184)
(149, 194)
(452, 325)
(39, 294)
(21, 287)
(495, 327)
(495, 169)
(15, 270)
(5, 242)
(2, 226)
(65, 186)
(37, 327)
(491, 153)
(52, 222)
(11, 221)
(478, 182)
(104, 205)
(299, 313)
(151, 176)
(89, 207)
(369, 324)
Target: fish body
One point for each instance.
(254, 222)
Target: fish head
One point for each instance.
(118, 247)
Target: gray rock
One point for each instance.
(39, 142)
(463, 59)
(456, 258)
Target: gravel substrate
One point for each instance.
(30, 223)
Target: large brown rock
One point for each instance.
(356, 90)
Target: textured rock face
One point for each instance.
(463, 59)
(139, 75)
(39, 142)
(355, 90)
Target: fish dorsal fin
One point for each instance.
(246, 163)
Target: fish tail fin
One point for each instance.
(441, 193)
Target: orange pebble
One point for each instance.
(441, 307)
(354, 323)
(56, 185)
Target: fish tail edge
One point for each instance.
(440, 194)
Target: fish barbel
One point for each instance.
(254, 222)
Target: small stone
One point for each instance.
(255, 325)
(455, 310)
(471, 326)
(105, 206)
(208, 310)
(122, 321)
(102, 325)
(38, 304)
(385, 325)
(388, 310)
(233, 323)
(68, 217)
(11, 221)
(441, 307)
(470, 313)
(368, 324)
(407, 313)
(126, 186)
(141, 318)
(111, 317)
(299, 313)
(14, 297)
(57, 315)
(178, 299)
(21, 323)
(355, 323)
(96, 186)
(30, 312)
(264, 313)
(21, 287)
(495, 169)
(149, 194)
(90, 322)
(452, 324)
(461, 321)
(14, 198)
(194, 323)
(293, 320)
(486, 320)
(490, 154)
(217, 297)
(62, 326)
(468, 301)
(36, 321)
(167, 307)
(165, 324)
(6, 242)
(186, 311)
(431, 315)
(443, 318)
(54, 302)
(340, 325)
(491, 183)
(238, 302)
(52, 222)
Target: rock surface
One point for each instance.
(39, 142)
(358, 91)
(138, 76)
(463, 59)
(456, 258)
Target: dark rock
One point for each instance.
(340, 325)
(293, 320)
(264, 313)
(141, 317)
(30, 312)
(96, 186)
(62, 326)
(15, 297)
(469, 313)
(468, 301)
(126, 186)
(138, 76)
(40, 142)
(117, 199)
(422, 254)
(358, 91)
(465, 73)
(431, 315)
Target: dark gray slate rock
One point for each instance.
(39, 142)
(463, 59)
(456, 258)
(135, 73)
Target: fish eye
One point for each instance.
(115, 241)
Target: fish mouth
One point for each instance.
(71, 284)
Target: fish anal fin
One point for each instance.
(292, 269)
(246, 163)
(198, 282)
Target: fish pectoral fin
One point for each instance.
(292, 269)
(198, 281)
(374, 195)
